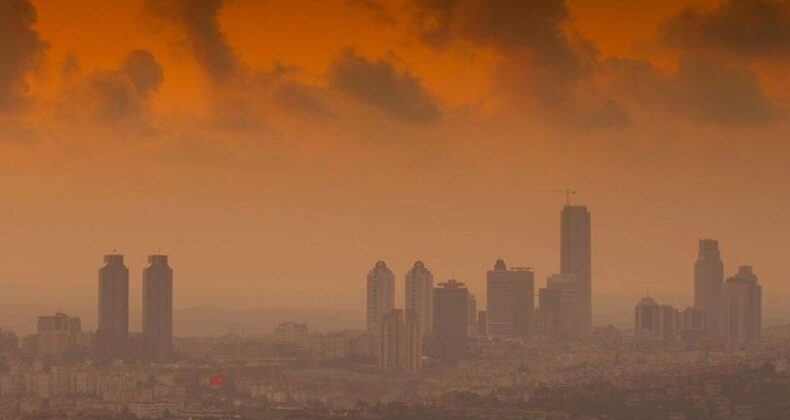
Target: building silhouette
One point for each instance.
(510, 298)
(558, 308)
(742, 301)
(450, 320)
(708, 282)
(419, 295)
(576, 258)
(112, 333)
(380, 296)
(158, 308)
(400, 342)
(655, 322)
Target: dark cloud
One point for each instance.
(115, 95)
(199, 21)
(144, 72)
(20, 50)
(748, 28)
(701, 89)
(375, 8)
(379, 84)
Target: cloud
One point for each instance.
(375, 8)
(746, 28)
(21, 48)
(379, 84)
(701, 89)
(199, 21)
(114, 95)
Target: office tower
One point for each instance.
(113, 330)
(400, 342)
(669, 323)
(59, 322)
(381, 296)
(419, 295)
(708, 281)
(450, 324)
(558, 308)
(510, 295)
(654, 322)
(692, 324)
(471, 315)
(412, 342)
(648, 320)
(576, 258)
(158, 307)
(292, 335)
(482, 323)
(742, 301)
(58, 334)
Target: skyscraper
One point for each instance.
(708, 280)
(510, 295)
(742, 301)
(381, 296)
(450, 323)
(400, 342)
(158, 307)
(113, 330)
(559, 308)
(656, 323)
(419, 295)
(576, 258)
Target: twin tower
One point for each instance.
(112, 336)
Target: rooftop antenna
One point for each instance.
(568, 193)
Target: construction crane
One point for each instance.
(568, 193)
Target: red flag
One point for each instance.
(216, 380)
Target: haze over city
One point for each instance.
(559, 197)
(273, 151)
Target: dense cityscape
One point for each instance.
(524, 354)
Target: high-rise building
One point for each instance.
(742, 301)
(654, 322)
(59, 322)
(419, 295)
(558, 308)
(450, 324)
(400, 342)
(113, 330)
(692, 324)
(381, 296)
(576, 258)
(471, 316)
(158, 307)
(58, 334)
(708, 281)
(510, 298)
(648, 320)
(293, 335)
(482, 323)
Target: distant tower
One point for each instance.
(419, 295)
(742, 301)
(559, 308)
(158, 307)
(381, 296)
(647, 325)
(400, 342)
(450, 324)
(113, 330)
(510, 298)
(576, 258)
(708, 280)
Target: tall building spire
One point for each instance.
(708, 281)
(576, 258)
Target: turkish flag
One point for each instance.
(216, 380)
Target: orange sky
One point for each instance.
(288, 145)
